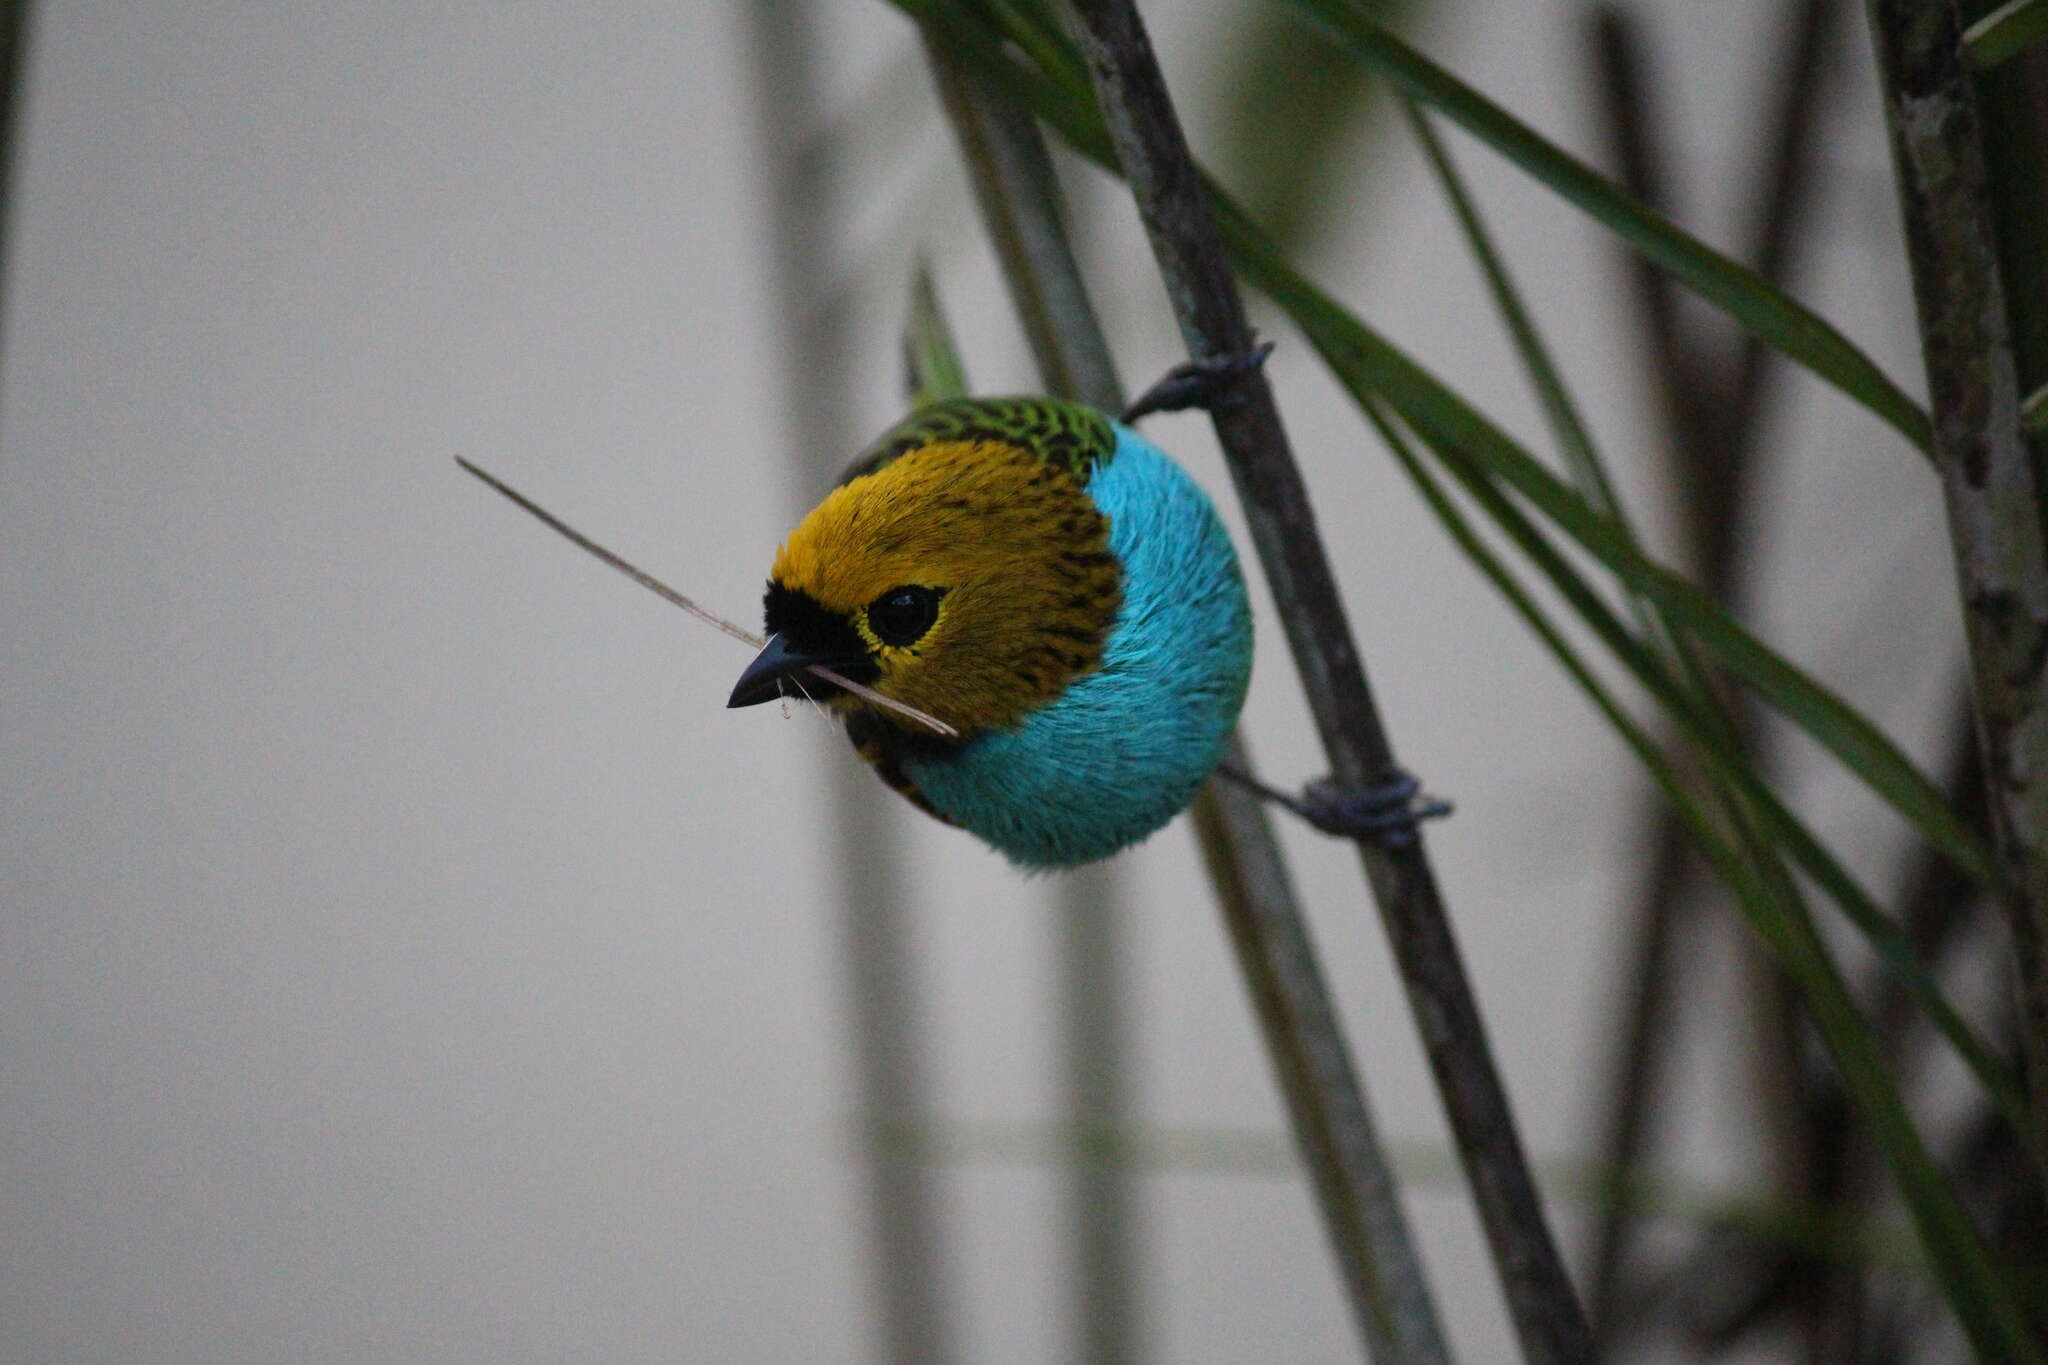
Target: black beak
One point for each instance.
(763, 679)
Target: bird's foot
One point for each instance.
(1210, 383)
(1387, 811)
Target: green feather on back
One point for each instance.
(1071, 435)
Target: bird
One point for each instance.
(1049, 585)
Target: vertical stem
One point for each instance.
(2012, 109)
(1332, 1124)
(1713, 400)
(1333, 1127)
(1986, 474)
(1019, 196)
(1096, 1045)
(904, 1256)
(1206, 302)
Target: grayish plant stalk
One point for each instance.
(1714, 394)
(1019, 199)
(1333, 1127)
(1981, 452)
(1205, 299)
(905, 1258)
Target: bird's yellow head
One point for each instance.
(969, 579)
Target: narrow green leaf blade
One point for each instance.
(1362, 357)
(932, 368)
(1956, 1252)
(1752, 301)
(2034, 411)
(1291, 112)
(1731, 767)
(2005, 32)
(1774, 910)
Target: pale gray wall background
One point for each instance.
(405, 955)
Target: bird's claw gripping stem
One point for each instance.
(1387, 811)
(1210, 383)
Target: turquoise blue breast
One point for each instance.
(1123, 749)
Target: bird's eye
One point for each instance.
(902, 615)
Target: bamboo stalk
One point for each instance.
(1019, 199)
(1332, 1124)
(1980, 450)
(1168, 190)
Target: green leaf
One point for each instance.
(1567, 428)
(1290, 114)
(1652, 655)
(1362, 357)
(932, 368)
(2034, 412)
(1773, 909)
(2005, 32)
(1732, 769)
(1374, 370)
(1752, 301)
